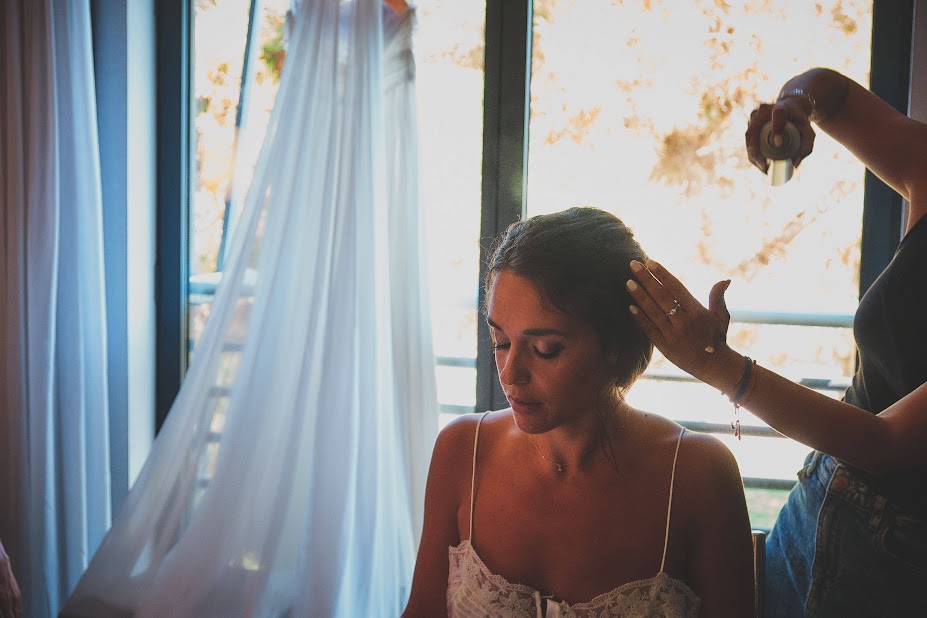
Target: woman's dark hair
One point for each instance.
(580, 259)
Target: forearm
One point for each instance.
(839, 429)
(693, 340)
(886, 141)
(824, 92)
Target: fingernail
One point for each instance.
(633, 309)
(636, 266)
(632, 285)
(777, 140)
(651, 264)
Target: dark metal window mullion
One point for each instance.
(890, 78)
(507, 68)
(174, 92)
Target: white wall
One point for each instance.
(140, 224)
(124, 63)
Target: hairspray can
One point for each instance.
(780, 157)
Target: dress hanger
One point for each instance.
(398, 6)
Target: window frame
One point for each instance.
(173, 22)
(507, 75)
(507, 65)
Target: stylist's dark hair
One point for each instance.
(580, 259)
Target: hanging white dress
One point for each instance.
(281, 483)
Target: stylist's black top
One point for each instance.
(891, 334)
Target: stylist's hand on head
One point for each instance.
(10, 600)
(692, 337)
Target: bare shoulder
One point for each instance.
(460, 433)
(706, 476)
(705, 468)
(449, 476)
(706, 463)
(455, 442)
(697, 451)
(448, 484)
(715, 521)
(708, 480)
(459, 429)
(706, 452)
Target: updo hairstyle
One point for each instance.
(580, 260)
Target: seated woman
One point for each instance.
(571, 502)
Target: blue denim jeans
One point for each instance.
(839, 549)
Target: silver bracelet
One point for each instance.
(801, 93)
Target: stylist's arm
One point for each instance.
(694, 339)
(10, 599)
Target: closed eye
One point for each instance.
(553, 353)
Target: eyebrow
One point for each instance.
(534, 332)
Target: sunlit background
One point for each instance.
(637, 107)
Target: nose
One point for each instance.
(512, 366)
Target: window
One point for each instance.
(638, 108)
(238, 54)
(237, 58)
(449, 80)
(654, 134)
(652, 130)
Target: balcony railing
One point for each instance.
(203, 287)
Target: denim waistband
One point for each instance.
(851, 486)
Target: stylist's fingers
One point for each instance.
(653, 333)
(716, 303)
(646, 279)
(794, 110)
(666, 289)
(758, 117)
(650, 310)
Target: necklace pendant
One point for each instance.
(559, 467)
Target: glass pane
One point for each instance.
(653, 132)
(226, 139)
(449, 80)
(764, 505)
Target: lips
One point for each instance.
(523, 407)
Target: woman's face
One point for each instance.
(552, 366)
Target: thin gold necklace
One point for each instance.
(560, 466)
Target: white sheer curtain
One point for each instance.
(280, 484)
(54, 437)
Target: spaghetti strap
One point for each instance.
(669, 506)
(476, 440)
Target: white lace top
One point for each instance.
(473, 591)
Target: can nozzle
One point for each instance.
(780, 157)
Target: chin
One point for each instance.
(532, 423)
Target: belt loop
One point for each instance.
(811, 467)
(878, 510)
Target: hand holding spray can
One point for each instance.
(780, 157)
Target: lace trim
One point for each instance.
(469, 572)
